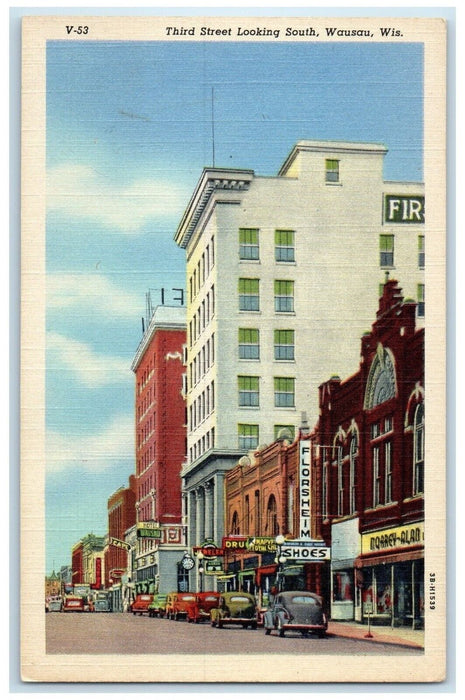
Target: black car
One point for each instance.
(296, 610)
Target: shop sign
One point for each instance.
(119, 543)
(304, 490)
(305, 551)
(209, 550)
(258, 545)
(393, 538)
(213, 566)
(149, 532)
(404, 209)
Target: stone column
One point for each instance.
(209, 530)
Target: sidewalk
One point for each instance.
(387, 635)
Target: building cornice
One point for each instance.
(160, 321)
(212, 180)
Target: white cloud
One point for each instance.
(83, 192)
(92, 370)
(92, 453)
(93, 292)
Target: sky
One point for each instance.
(129, 130)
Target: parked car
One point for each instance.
(296, 610)
(177, 605)
(73, 603)
(101, 601)
(235, 608)
(200, 607)
(53, 603)
(141, 603)
(158, 605)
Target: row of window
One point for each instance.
(145, 431)
(202, 362)
(202, 316)
(202, 407)
(284, 244)
(249, 344)
(249, 434)
(249, 295)
(381, 465)
(202, 270)
(204, 443)
(249, 392)
(386, 251)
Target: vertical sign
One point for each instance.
(305, 490)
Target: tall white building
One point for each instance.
(283, 277)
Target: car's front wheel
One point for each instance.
(267, 631)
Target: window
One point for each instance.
(284, 246)
(248, 244)
(249, 344)
(421, 252)
(353, 453)
(332, 170)
(386, 250)
(340, 483)
(249, 294)
(421, 300)
(235, 524)
(248, 436)
(284, 345)
(284, 295)
(248, 391)
(289, 428)
(272, 526)
(376, 478)
(419, 449)
(387, 472)
(284, 392)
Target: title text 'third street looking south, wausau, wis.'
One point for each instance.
(287, 32)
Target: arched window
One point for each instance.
(272, 526)
(419, 449)
(353, 454)
(381, 384)
(235, 524)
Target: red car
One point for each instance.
(199, 609)
(73, 604)
(141, 603)
(177, 605)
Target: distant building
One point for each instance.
(52, 584)
(121, 516)
(283, 277)
(87, 558)
(160, 421)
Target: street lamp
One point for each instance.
(200, 556)
(280, 558)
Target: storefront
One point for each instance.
(390, 575)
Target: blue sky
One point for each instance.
(128, 133)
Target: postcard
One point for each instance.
(233, 318)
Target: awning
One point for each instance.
(245, 573)
(381, 558)
(265, 571)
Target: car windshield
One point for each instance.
(144, 597)
(239, 599)
(187, 597)
(303, 600)
(210, 597)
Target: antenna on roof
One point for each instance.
(213, 125)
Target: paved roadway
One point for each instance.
(123, 633)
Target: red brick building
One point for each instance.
(121, 517)
(368, 453)
(160, 448)
(77, 563)
(262, 502)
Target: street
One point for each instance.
(123, 633)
